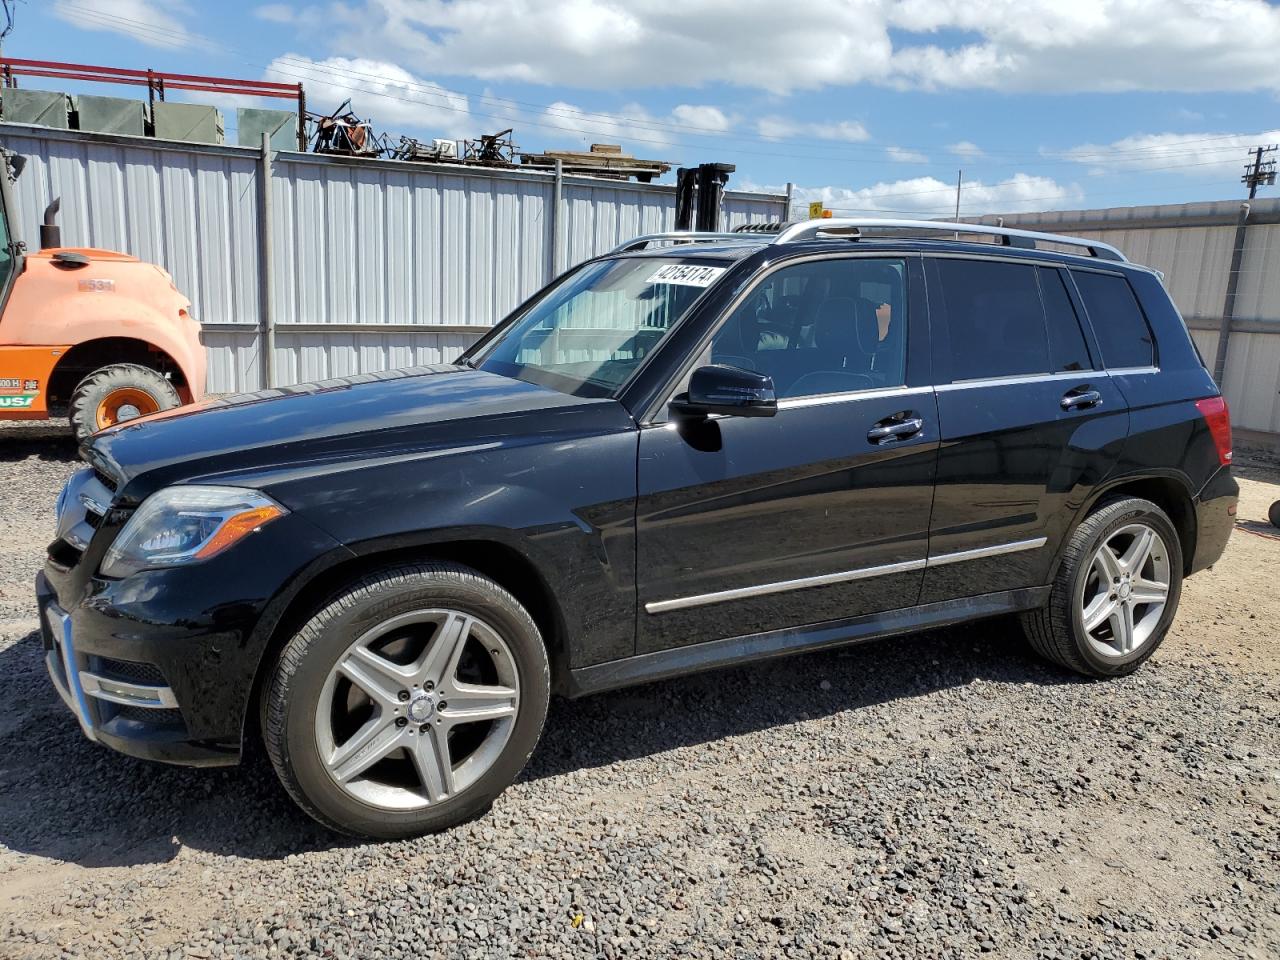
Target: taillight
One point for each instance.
(1218, 417)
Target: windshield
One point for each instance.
(587, 335)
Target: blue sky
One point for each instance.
(869, 105)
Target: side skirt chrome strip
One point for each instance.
(980, 552)
(781, 586)
(844, 576)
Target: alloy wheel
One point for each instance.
(417, 709)
(1125, 590)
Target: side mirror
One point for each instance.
(732, 391)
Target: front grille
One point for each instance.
(106, 480)
(145, 673)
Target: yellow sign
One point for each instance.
(815, 210)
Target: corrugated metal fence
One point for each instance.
(1193, 245)
(373, 264)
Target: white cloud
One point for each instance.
(966, 149)
(929, 197)
(701, 117)
(1195, 154)
(904, 155)
(157, 23)
(607, 44)
(1016, 45)
(275, 13)
(633, 127)
(781, 128)
(639, 131)
(391, 97)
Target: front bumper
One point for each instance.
(162, 664)
(123, 704)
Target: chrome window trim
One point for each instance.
(1019, 379)
(817, 400)
(873, 393)
(738, 300)
(843, 576)
(1130, 371)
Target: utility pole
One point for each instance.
(1259, 173)
(959, 182)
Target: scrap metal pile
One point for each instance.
(343, 133)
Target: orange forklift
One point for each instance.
(97, 336)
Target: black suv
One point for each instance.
(697, 450)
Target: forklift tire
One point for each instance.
(115, 394)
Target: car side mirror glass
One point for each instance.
(721, 389)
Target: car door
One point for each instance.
(1029, 422)
(750, 524)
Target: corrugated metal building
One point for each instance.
(374, 264)
(378, 264)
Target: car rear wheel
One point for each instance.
(408, 703)
(117, 394)
(1116, 592)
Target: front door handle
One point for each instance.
(894, 429)
(1081, 399)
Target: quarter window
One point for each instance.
(1067, 348)
(1117, 319)
(829, 326)
(994, 318)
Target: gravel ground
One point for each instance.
(942, 795)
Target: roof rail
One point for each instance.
(851, 229)
(682, 236)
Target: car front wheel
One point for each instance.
(408, 703)
(1116, 591)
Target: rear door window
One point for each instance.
(1067, 348)
(994, 319)
(1117, 320)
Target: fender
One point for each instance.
(1184, 524)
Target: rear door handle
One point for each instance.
(891, 430)
(1081, 399)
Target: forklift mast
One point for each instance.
(700, 190)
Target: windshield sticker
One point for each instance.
(687, 275)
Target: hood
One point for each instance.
(310, 428)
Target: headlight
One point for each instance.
(181, 525)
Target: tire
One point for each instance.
(1274, 514)
(1057, 631)
(116, 394)
(309, 696)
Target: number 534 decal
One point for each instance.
(16, 403)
